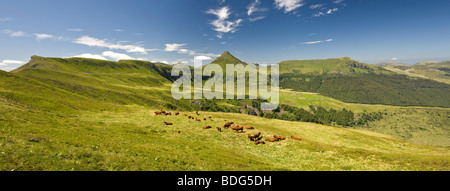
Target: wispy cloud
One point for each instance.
(118, 30)
(221, 24)
(338, 1)
(40, 37)
(6, 62)
(319, 41)
(288, 5)
(75, 30)
(316, 6)
(5, 19)
(254, 8)
(94, 42)
(330, 11)
(256, 18)
(15, 33)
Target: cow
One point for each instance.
(238, 129)
(219, 129)
(157, 113)
(249, 127)
(177, 113)
(197, 119)
(279, 137)
(272, 140)
(204, 119)
(178, 131)
(296, 138)
(207, 127)
(254, 137)
(259, 142)
(196, 112)
(167, 123)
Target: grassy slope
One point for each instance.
(334, 65)
(80, 126)
(421, 125)
(428, 70)
(137, 140)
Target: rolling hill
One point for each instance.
(351, 81)
(86, 114)
(438, 71)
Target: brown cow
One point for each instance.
(204, 119)
(254, 137)
(279, 137)
(178, 131)
(296, 138)
(249, 127)
(177, 113)
(207, 127)
(189, 117)
(197, 119)
(272, 140)
(196, 112)
(167, 123)
(259, 142)
(219, 129)
(157, 113)
(238, 129)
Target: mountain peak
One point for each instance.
(227, 58)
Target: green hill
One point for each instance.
(86, 114)
(438, 71)
(343, 65)
(354, 82)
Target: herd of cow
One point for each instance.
(256, 138)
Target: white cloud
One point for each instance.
(117, 56)
(5, 19)
(288, 5)
(75, 30)
(173, 47)
(15, 33)
(256, 18)
(105, 55)
(6, 62)
(93, 56)
(221, 24)
(254, 7)
(394, 59)
(177, 48)
(202, 57)
(330, 11)
(316, 6)
(40, 37)
(319, 41)
(90, 41)
(118, 30)
(338, 1)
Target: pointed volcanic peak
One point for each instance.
(227, 58)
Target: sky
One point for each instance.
(255, 31)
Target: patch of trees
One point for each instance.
(319, 115)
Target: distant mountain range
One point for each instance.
(128, 81)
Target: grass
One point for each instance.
(137, 140)
(420, 125)
(70, 116)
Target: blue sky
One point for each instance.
(256, 31)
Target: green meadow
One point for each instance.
(84, 114)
